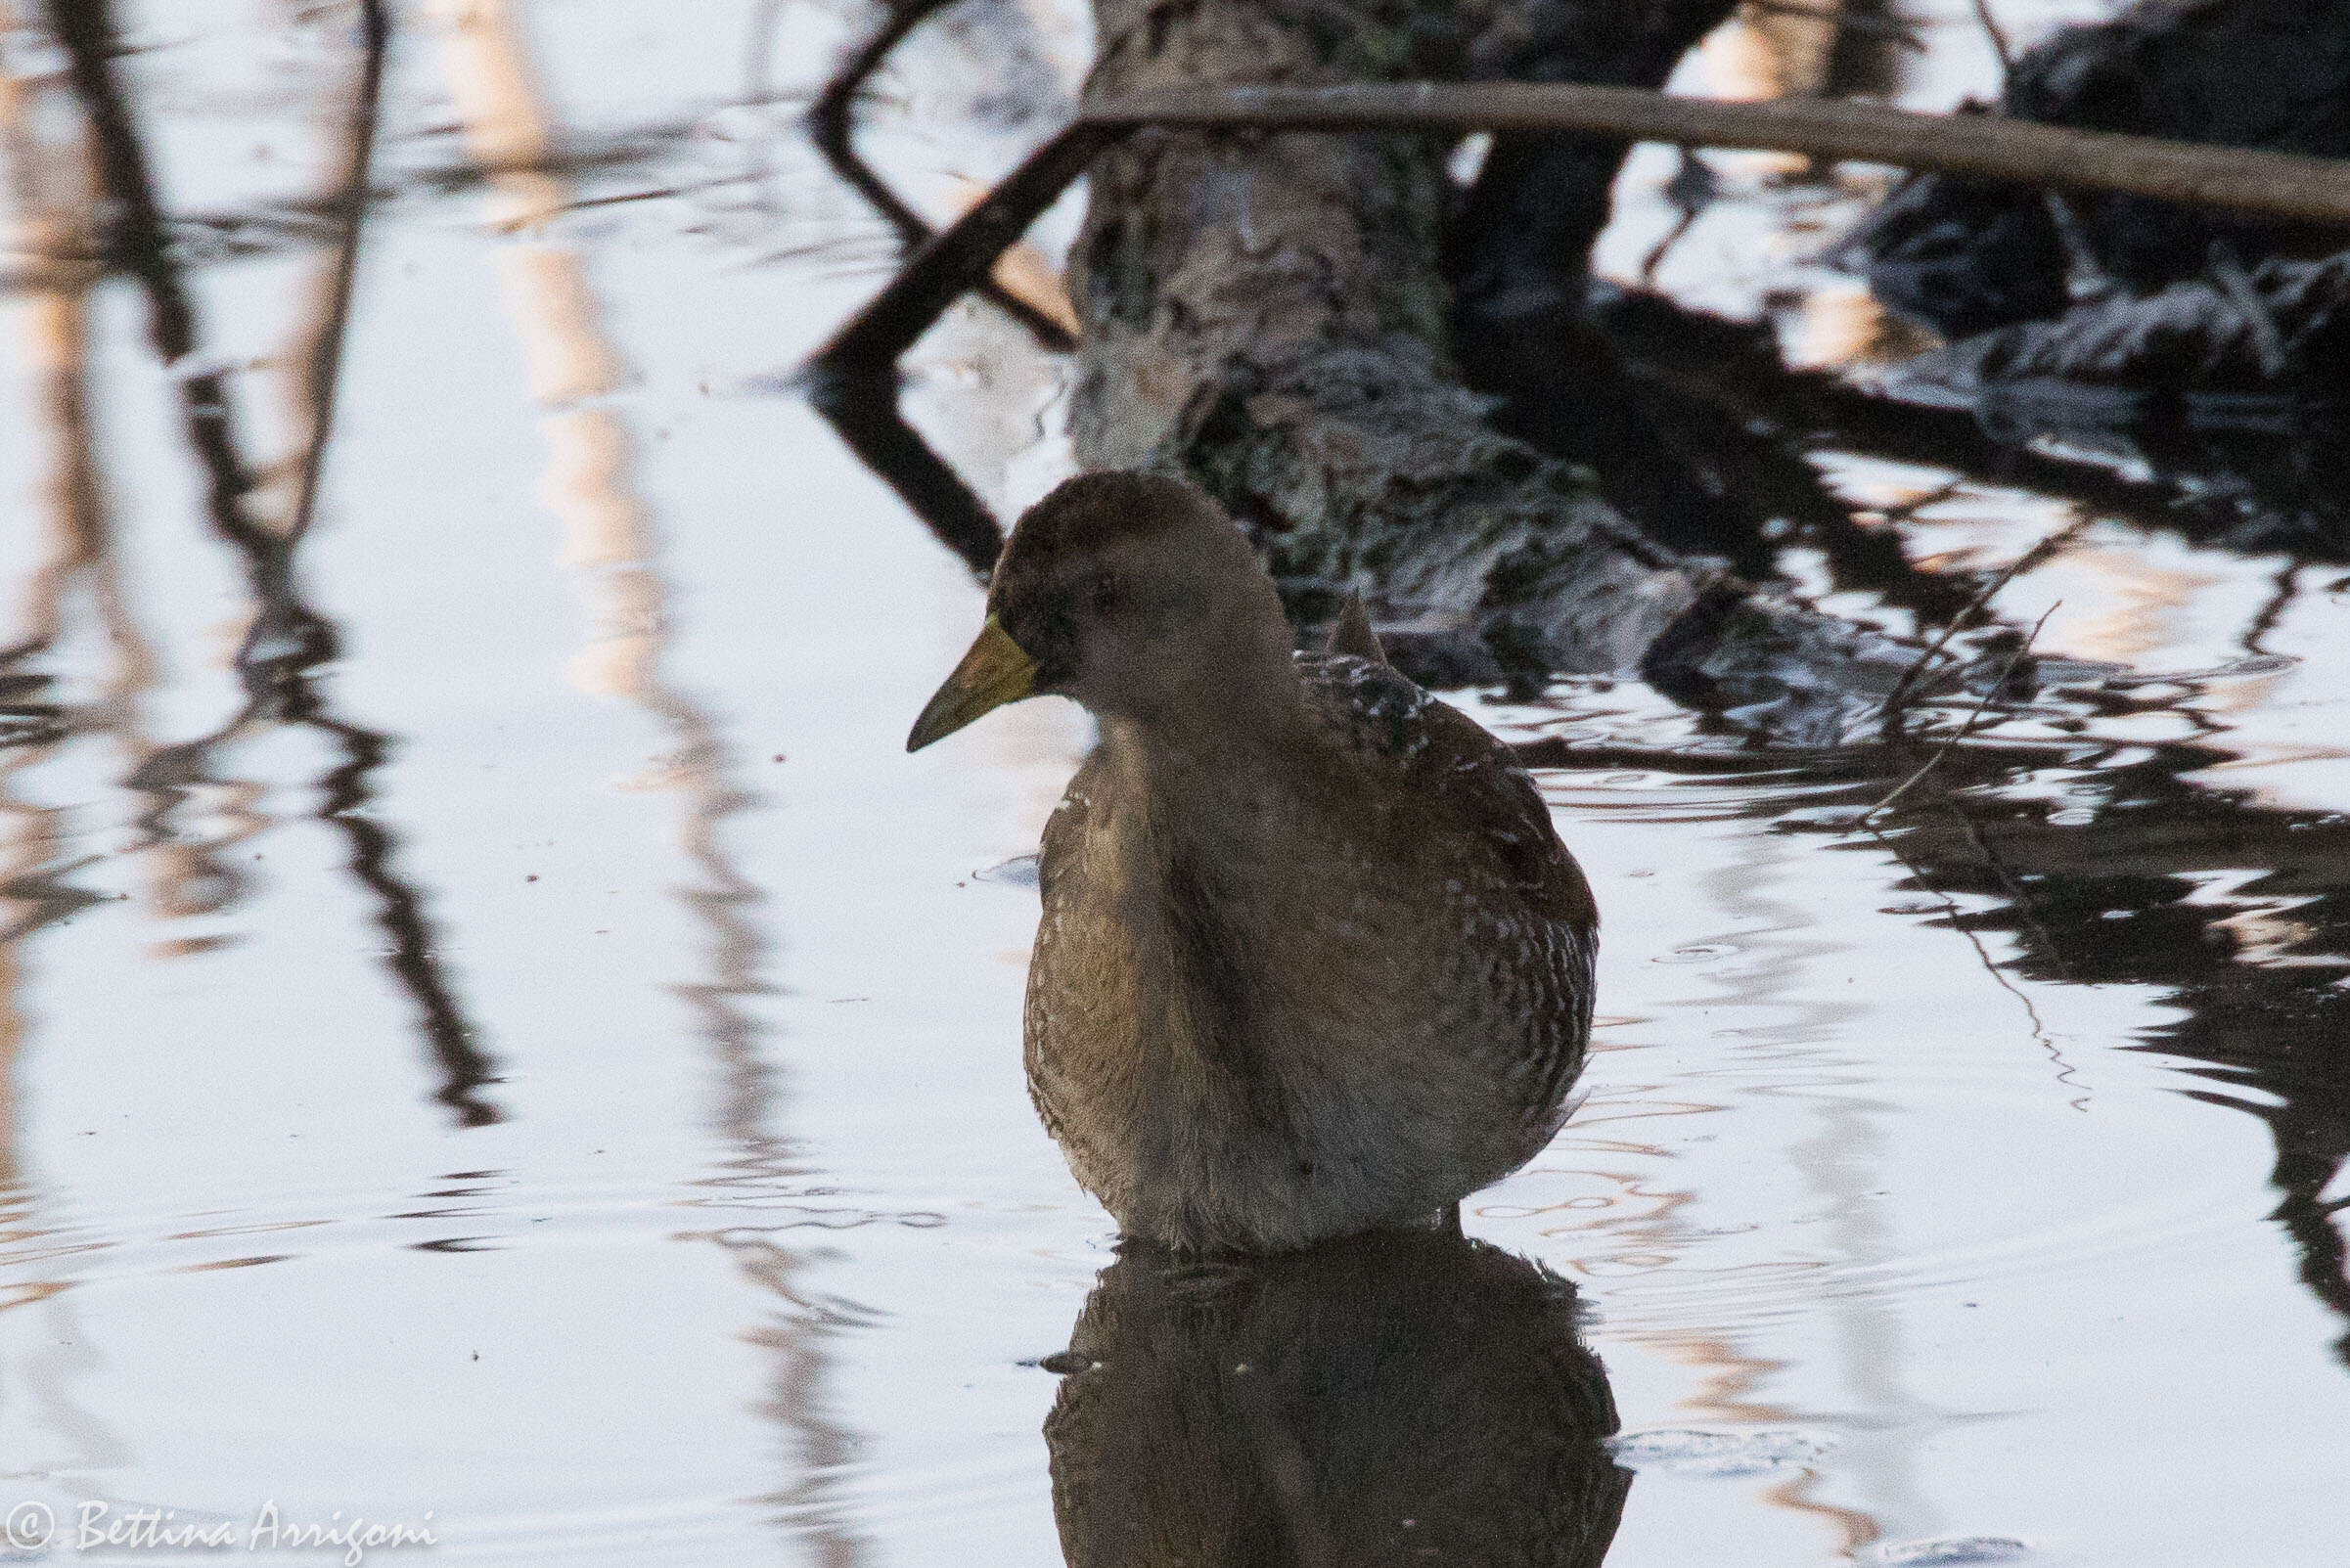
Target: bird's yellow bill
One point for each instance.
(996, 671)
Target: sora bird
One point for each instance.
(1313, 960)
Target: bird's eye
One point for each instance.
(1110, 595)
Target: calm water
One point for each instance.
(543, 1067)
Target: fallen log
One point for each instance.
(1271, 315)
(1266, 313)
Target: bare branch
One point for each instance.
(1967, 729)
(1891, 714)
(832, 127)
(1998, 35)
(1982, 146)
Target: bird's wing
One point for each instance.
(1449, 758)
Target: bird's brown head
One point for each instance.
(1133, 594)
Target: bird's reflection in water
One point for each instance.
(1401, 1398)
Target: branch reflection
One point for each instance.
(287, 640)
(2151, 870)
(609, 539)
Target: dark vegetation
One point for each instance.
(2205, 346)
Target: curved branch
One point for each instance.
(1986, 147)
(832, 127)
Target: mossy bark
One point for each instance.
(1268, 314)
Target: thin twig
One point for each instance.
(1889, 716)
(2228, 271)
(1972, 719)
(2000, 45)
(1904, 511)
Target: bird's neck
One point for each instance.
(1231, 738)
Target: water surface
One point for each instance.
(498, 1031)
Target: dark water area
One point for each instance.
(500, 1039)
